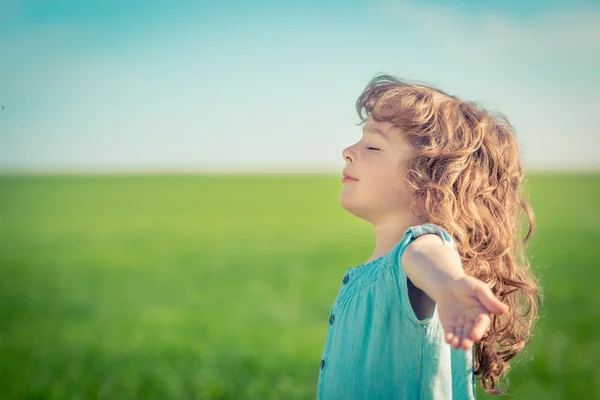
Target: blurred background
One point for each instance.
(169, 175)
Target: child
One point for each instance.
(423, 316)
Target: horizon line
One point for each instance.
(238, 171)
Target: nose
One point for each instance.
(348, 155)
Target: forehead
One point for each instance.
(385, 129)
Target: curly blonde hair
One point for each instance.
(465, 174)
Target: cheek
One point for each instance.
(386, 174)
(381, 174)
(393, 187)
(383, 189)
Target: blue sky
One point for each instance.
(242, 85)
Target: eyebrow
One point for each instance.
(377, 131)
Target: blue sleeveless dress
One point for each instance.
(377, 348)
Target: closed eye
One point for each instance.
(372, 148)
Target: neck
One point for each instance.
(390, 231)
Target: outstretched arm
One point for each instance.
(464, 303)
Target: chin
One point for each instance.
(345, 200)
(350, 205)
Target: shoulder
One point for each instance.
(429, 231)
(425, 236)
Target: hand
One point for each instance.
(464, 309)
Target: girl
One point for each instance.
(423, 316)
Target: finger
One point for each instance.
(455, 342)
(482, 322)
(463, 336)
(469, 330)
(490, 301)
(449, 335)
(466, 344)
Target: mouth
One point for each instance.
(348, 178)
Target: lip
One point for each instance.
(348, 178)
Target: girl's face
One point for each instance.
(375, 162)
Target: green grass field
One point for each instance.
(219, 287)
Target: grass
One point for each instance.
(219, 287)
